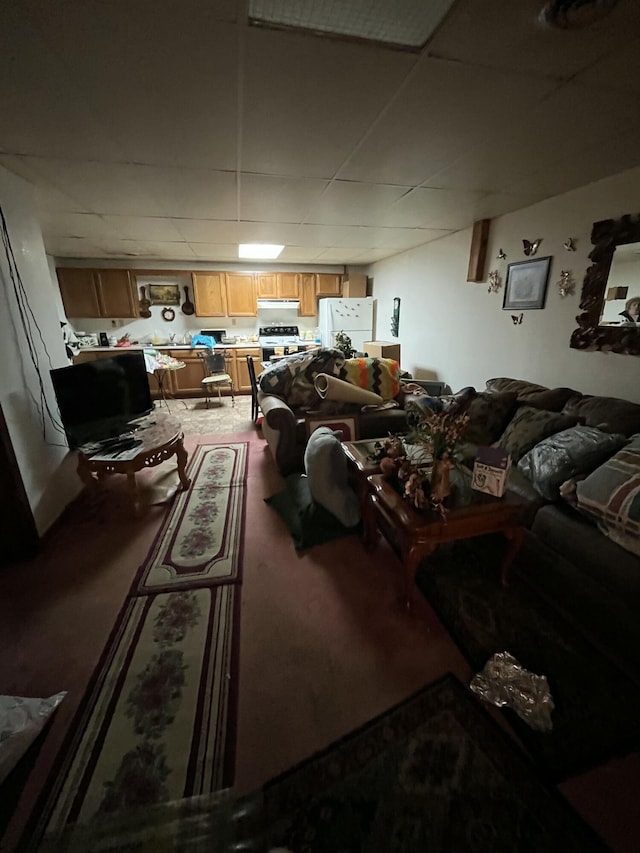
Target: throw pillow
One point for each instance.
(529, 426)
(611, 494)
(380, 375)
(565, 455)
(489, 413)
(326, 467)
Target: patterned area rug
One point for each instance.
(597, 706)
(157, 723)
(200, 542)
(434, 773)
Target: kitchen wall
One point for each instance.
(455, 331)
(46, 466)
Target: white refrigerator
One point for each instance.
(353, 316)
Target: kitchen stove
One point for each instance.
(278, 336)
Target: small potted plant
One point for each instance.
(343, 343)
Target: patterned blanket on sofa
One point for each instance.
(292, 377)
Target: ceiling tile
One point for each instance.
(69, 247)
(215, 251)
(144, 228)
(425, 207)
(191, 193)
(299, 254)
(352, 203)
(341, 255)
(270, 199)
(307, 101)
(618, 71)
(509, 35)
(269, 232)
(445, 110)
(74, 225)
(207, 230)
(47, 197)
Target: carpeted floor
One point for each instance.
(434, 773)
(597, 706)
(324, 645)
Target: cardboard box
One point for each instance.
(382, 349)
(490, 470)
(354, 285)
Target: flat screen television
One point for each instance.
(97, 399)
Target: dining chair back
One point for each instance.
(215, 375)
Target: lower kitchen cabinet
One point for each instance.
(241, 381)
(187, 382)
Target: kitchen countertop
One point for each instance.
(245, 345)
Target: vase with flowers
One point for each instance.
(437, 427)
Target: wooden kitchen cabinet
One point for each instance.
(210, 294)
(79, 292)
(242, 382)
(267, 285)
(187, 382)
(97, 293)
(288, 285)
(308, 302)
(328, 284)
(241, 294)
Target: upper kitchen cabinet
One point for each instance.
(79, 292)
(241, 294)
(308, 303)
(288, 285)
(97, 293)
(116, 293)
(267, 285)
(328, 284)
(209, 293)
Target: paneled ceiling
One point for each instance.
(175, 130)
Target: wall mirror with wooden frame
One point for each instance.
(602, 327)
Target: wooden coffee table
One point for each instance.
(161, 437)
(416, 534)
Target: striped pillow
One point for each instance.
(380, 375)
(611, 494)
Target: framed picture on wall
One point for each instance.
(526, 284)
(347, 424)
(164, 294)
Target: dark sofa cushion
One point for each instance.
(529, 426)
(607, 413)
(530, 394)
(489, 414)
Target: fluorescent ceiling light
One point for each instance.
(401, 23)
(259, 251)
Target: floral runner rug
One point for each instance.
(200, 542)
(158, 722)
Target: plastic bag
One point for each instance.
(21, 721)
(504, 682)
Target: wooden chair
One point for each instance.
(255, 407)
(215, 375)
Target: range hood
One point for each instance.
(278, 304)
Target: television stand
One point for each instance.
(159, 437)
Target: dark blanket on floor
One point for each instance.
(309, 523)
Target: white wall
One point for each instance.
(46, 466)
(455, 331)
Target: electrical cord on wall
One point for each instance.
(25, 311)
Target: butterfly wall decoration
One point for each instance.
(530, 247)
(501, 255)
(516, 319)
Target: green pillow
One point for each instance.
(529, 426)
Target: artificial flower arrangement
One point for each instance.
(436, 430)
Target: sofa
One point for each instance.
(572, 557)
(286, 395)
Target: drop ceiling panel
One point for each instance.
(619, 71)
(144, 228)
(444, 111)
(102, 187)
(47, 197)
(508, 35)
(270, 199)
(441, 208)
(191, 193)
(308, 101)
(341, 255)
(207, 230)
(85, 225)
(351, 203)
(269, 232)
(68, 247)
(298, 254)
(215, 251)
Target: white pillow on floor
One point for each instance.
(326, 467)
